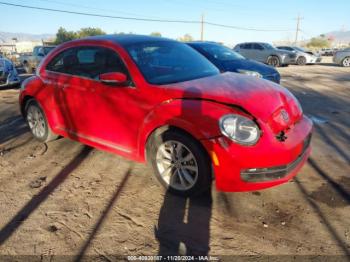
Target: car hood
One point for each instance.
(246, 64)
(263, 99)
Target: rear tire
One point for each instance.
(301, 60)
(180, 162)
(346, 62)
(37, 122)
(273, 61)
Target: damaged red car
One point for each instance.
(158, 100)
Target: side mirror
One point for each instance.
(41, 54)
(114, 78)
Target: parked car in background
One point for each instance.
(303, 57)
(158, 100)
(327, 51)
(226, 59)
(266, 53)
(30, 62)
(12, 56)
(342, 57)
(8, 73)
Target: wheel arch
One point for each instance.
(182, 115)
(24, 102)
(161, 129)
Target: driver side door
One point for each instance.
(92, 111)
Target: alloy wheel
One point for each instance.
(346, 62)
(177, 165)
(36, 121)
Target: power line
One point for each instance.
(142, 19)
(100, 15)
(247, 28)
(98, 9)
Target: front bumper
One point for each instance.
(270, 161)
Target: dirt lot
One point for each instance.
(67, 199)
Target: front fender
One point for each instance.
(197, 117)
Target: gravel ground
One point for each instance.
(64, 198)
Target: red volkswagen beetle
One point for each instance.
(156, 99)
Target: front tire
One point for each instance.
(180, 163)
(37, 122)
(346, 62)
(273, 61)
(301, 60)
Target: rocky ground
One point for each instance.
(64, 198)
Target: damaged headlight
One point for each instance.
(240, 129)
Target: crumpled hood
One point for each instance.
(263, 99)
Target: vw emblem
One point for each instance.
(285, 115)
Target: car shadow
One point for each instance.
(103, 216)
(38, 199)
(183, 225)
(184, 222)
(11, 128)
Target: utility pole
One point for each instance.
(202, 27)
(298, 28)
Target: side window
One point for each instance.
(247, 46)
(35, 51)
(257, 47)
(89, 62)
(64, 62)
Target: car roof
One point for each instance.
(202, 43)
(253, 43)
(128, 39)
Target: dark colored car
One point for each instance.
(228, 60)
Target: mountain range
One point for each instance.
(7, 37)
(338, 36)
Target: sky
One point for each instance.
(319, 16)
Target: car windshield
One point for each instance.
(166, 62)
(220, 52)
(47, 49)
(268, 46)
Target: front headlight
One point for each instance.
(250, 73)
(240, 129)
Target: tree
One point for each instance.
(156, 34)
(90, 31)
(63, 35)
(318, 42)
(185, 38)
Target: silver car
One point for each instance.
(8, 73)
(266, 53)
(303, 57)
(342, 57)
